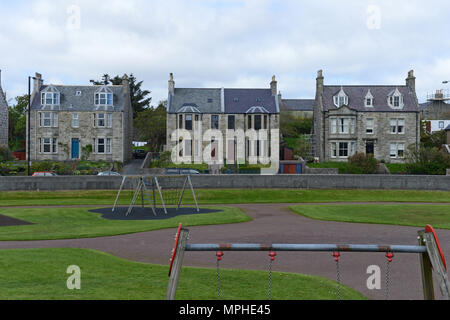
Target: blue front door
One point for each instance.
(75, 148)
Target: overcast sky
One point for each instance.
(226, 43)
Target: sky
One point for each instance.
(226, 43)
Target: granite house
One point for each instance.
(382, 120)
(69, 121)
(200, 111)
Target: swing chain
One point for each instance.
(272, 256)
(389, 256)
(336, 256)
(219, 255)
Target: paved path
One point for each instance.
(134, 167)
(275, 223)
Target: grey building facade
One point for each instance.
(69, 122)
(383, 120)
(3, 116)
(199, 111)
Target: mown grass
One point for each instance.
(41, 274)
(404, 215)
(225, 196)
(71, 223)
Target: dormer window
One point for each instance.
(395, 99)
(50, 96)
(368, 100)
(340, 99)
(104, 97)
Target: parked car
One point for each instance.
(181, 171)
(44, 174)
(108, 173)
(139, 154)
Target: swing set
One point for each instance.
(169, 189)
(429, 250)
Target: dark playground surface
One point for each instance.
(146, 213)
(6, 221)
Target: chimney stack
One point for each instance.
(319, 82)
(125, 84)
(171, 85)
(273, 86)
(38, 82)
(411, 81)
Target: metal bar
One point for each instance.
(193, 193)
(426, 271)
(160, 194)
(182, 194)
(306, 247)
(118, 194)
(177, 264)
(135, 196)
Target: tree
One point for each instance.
(18, 122)
(139, 98)
(150, 126)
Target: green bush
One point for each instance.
(5, 154)
(426, 160)
(361, 163)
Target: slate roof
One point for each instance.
(209, 101)
(242, 100)
(69, 101)
(205, 100)
(297, 104)
(356, 95)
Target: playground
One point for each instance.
(136, 247)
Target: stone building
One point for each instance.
(69, 121)
(298, 108)
(383, 120)
(206, 124)
(3, 116)
(436, 107)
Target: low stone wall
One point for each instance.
(321, 170)
(305, 181)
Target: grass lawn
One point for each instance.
(41, 274)
(70, 223)
(405, 215)
(225, 196)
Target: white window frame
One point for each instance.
(333, 125)
(103, 144)
(104, 99)
(108, 146)
(101, 119)
(395, 148)
(108, 120)
(396, 124)
(50, 98)
(75, 120)
(370, 125)
(52, 144)
(335, 149)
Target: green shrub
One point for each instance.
(5, 154)
(426, 160)
(361, 163)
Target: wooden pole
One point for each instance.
(177, 264)
(426, 270)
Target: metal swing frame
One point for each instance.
(145, 195)
(428, 250)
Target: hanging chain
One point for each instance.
(272, 256)
(219, 258)
(389, 257)
(336, 256)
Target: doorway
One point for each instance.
(75, 148)
(370, 147)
